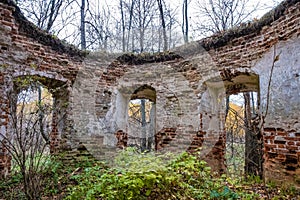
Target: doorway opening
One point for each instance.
(244, 144)
(241, 110)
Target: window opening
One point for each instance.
(32, 118)
(141, 118)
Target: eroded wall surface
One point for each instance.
(281, 128)
(105, 126)
(273, 54)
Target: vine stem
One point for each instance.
(275, 59)
(263, 116)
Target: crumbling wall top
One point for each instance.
(254, 27)
(30, 30)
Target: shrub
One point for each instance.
(149, 176)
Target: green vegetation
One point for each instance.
(140, 176)
(150, 176)
(44, 170)
(235, 159)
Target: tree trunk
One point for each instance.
(141, 40)
(143, 118)
(123, 25)
(41, 115)
(55, 7)
(159, 40)
(227, 106)
(130, 26)
(185, 21)
(82, 25)
(161, 12)
(253, 148)
(132, 42)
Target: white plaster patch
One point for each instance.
(2, 131)
(284, 93)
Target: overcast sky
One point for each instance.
(73, 33)
(264, 7)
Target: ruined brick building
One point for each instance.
(185, 88)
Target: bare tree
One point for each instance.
(144, 13)
(98, 27)
(130, 23)
(244, 139)
(146, 24)
(253, 139)
(172, 24)
(27, 143)
(220, 15)
(141, 26)
(58, 17)
(126, 10)
(44, 13)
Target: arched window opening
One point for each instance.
(241, 108)
(31, 123)
(141, 118)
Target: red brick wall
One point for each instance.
(282, 155)
(31, 52)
